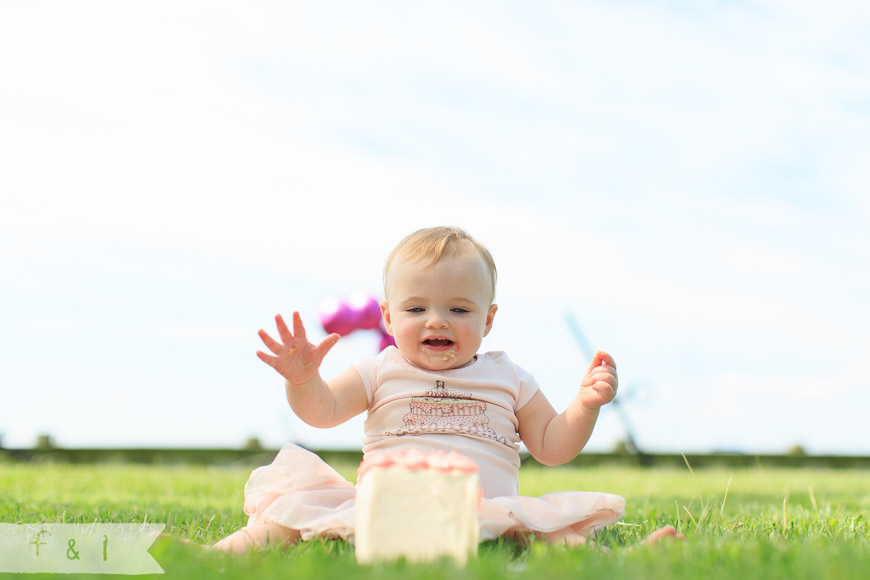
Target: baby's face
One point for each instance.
(439, 314)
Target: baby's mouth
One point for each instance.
(438, 342)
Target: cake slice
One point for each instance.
(417, 506)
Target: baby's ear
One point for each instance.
(490, 316)
(385, 313)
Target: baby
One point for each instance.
(433, 390)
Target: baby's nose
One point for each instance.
(436, 319)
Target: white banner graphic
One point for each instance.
(78, 548)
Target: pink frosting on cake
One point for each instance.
(415, 459)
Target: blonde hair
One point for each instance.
(431, 245)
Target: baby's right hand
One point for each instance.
(296, 359)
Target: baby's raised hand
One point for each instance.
(599, 383)
(295, 358)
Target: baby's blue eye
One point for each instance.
(415, 310)
(458, 310)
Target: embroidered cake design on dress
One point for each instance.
(444, 411)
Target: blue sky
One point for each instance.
(682, 177)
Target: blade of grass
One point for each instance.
(813, 500)
(725, 499)
(691, 516)
(695, 479)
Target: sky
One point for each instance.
(682, 178)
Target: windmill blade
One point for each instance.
(579, 337)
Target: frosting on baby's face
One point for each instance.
(439, 314)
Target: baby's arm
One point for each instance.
(554, 439)
(317, 402)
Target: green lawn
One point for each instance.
(740, 523)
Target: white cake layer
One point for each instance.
(418, 515)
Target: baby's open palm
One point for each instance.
(296, 359)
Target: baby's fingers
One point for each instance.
(606, 391)
(270, 360)
(602, 374)
(325, 346)
(270, 342)
(298, 328)
(283, 331)
(606, 386)
(602, 359)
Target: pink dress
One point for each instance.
(471, 410)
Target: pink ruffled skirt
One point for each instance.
(299, 490)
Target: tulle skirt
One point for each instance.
(299, 490)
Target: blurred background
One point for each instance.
(682, 179)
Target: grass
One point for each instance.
(740, 523)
